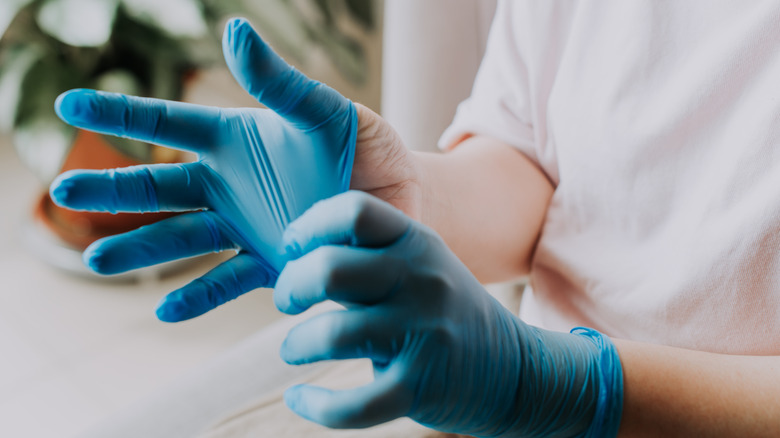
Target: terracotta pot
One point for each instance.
(78, 228)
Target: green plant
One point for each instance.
(141, 47)
(334, 25)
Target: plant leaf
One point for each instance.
(42, 144)
(134, 149)
(179, 18)
(8, 11)
(362, 11)
(40, 137)
(40, 88)
(15, 65)
(214, 10)
(80, 23)
(346, 54)
(119, 81)
(324, 7)
(280, 24)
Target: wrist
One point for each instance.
(431, 202)
(383, 166)
(609, 407)
(574, 382)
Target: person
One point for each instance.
(622, 154)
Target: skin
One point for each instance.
(458, 191)
(669, 392)
(488, 202)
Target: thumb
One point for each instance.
(274, 83)
(352, 218)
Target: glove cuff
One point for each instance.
(609, 407)
(348, 155)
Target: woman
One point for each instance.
(623, 155)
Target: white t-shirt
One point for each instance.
(658, 123)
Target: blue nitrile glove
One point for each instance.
(258, 170)
(445, 353)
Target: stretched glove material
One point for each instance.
(258, 169)
(444, 352)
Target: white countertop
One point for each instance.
(74, 350)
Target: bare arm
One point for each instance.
(485, 198)
(671, 392)
(488, 201)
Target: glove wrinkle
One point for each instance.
(257, 170)
(460, 362)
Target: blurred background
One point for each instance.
(76, 348)
(164, 49)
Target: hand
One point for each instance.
(258, 169)
(444, 352)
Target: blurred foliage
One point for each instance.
(336, 26)
(143, 47)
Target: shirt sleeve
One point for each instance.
(499, 105)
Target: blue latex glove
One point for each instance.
(445, 353)
(258, 169)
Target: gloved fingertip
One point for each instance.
(293, 398)
(288, 355)
(59, 191)
(236, 23)
(94, 258)
(289, 308)
(284, 304)
(58, 104)
(172, 310)
(74, 106)
(290, 242)
(284, 353)
(291, 250)
(232, 36)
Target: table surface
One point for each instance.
(75, 350)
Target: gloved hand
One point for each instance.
(258, 170)
(444, 352)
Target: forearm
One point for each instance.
(673, 392)
(488, 201)
(485, 198)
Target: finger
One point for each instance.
(276, 84)
(136, 189)
(235, 277)
(174, 238)
(342, 334)
(380, 401)
(174, 124)
(352, 218)
(352, 275)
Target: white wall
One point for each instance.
(432, 49)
